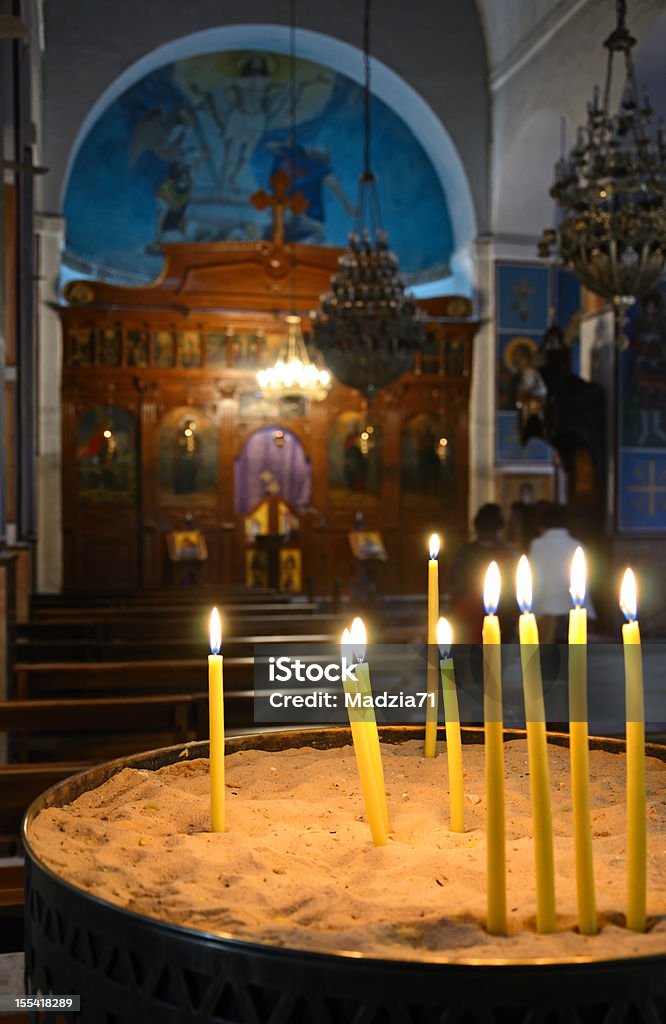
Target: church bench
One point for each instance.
(77, 649)
(189, 609)
(176, 630)
(20, 784)
(117, 725)
(117, 678)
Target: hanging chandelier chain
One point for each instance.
(291, 148)
(367, 169)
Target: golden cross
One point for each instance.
(522, 304)
(279, 201)
(651, 489)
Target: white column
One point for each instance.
(482, 399)
(50, 231)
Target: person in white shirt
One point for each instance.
(550, 557)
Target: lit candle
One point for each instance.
(636, 806)
(373, 807)
(579, 749)
(452, 719)
(216, 718)
(430, 746)
(494, 751)
(535, 719)
(358, 640)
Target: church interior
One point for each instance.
(285, 291)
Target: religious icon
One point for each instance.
(256, 568)
(164, 354)
(644, 363)
(354, 458)
(518, 373)
(187, 546)
(80, 347)
(216, 350)
(106, 456)
(186, 457)
(188, 464)
(109, 346)
(248, 350)
(290, 579)
(190, 349)
(426, 456)
(137, 348)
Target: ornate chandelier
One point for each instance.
(611, 190)
(293, 374)
(367, 326)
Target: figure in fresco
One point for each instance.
(309, 171)
(648, 381)
(355, 464)
(245, 108)
(186, 459)
(105, 456)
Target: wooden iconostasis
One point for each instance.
(164, 428)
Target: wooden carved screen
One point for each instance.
(159, 397)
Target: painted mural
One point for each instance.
(526, 296)
(177, 157)
(106, 456)
(642, 462)
(426, 458)
(188, 459)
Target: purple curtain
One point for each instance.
(262, 464)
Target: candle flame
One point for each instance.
(345, 645)
(444, 637)
(491, 588)
(628, 602)
(578, 577)
(215, 632)
(524, 585)
(434, 545)
(358, 639)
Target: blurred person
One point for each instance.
(550, 557)
(467, 576)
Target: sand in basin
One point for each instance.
(297, 868)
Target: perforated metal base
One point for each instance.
(136, 970)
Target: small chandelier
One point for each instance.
(293, 374)
(367, 326)
(612, 190)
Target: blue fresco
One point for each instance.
(527, 294)
(643, 373)
(642, 490)
(522, 297)
(179, 154)
(508, 446)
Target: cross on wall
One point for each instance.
(650, 489)
(279, 202)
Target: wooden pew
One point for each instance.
(66, 649)
(114, 726)
(151, 611)
(19, 785)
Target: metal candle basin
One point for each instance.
(132, 969)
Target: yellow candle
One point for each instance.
(430, 745)
(579, 750)
(373, 808)
(494, 751)
(636, 804)
(216, 718)
(369, 724)
(535, 719)
(452, 719)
